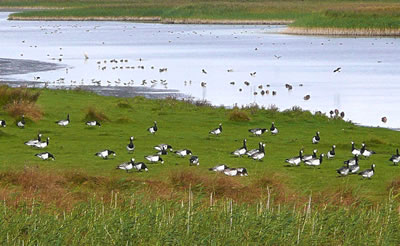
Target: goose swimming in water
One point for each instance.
(273, 129)
(153, 129)
(331, 153)
(365, 152)
(194, 161)
(93, 123)
(258, 131)
(251, 152)
(105, 153)
(63, 122)
(41, 145)
(21, 123)
(45, 156)
(353, 161)
(355, 151)
(154, 158)
(343, 171)
(34, 141)
(183, 152)
(395, 158)
(217, 131)
(219, 168)
(3, 123)
(242, 150)
(295, 160)
(130, 147)
(315, 161)
(309, 157)
(368, 173)
(316, 138)
(161, 147)
(259, 155)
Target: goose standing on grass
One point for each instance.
(295, 161)
(93, 123)
(153, 129)
(105, 153)
(45, 156)
(63, 122)
(258, 131)
(154, 158)
(395, 158)
(3, 123)
(34, 141)
(315, 161)
(309, 157)
(365, 152)
(162, 147)
(273, 129)
(219, 168)
(242, 150)
(194, 161)
(355, 151)
(354, 168)
(331, 153)
(41, 145)
(130, 147)
(251, 152)
(183, 152)
(217, 130)
(352, 161)
(21, 123)
(316, 138)
(259, 155)
(368, 173)
(343, 171)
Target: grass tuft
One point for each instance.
(95, 114)
(238, 115)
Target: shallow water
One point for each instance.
(366, 89)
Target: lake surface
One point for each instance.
(366, 88)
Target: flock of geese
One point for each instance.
(351, 166)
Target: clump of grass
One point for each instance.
(375, 141)
(20, 101)
(272, 108)
(124, 104)
(123, 120)
(29, 109)
(95, 114)
(238, 115)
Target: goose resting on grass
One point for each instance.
(395, 158)
(105, 153)
(219, 168)
(41, 145)
(161, 147)
(45, 156)
(154, 158)
(194, 161)
(153, 129)
(217, 131)
(63, 122)
(236, 171)
(93, 123)
(3, 123)
(258, 131)
(34, 141)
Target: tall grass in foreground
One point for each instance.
(19, 101)
(190, 221)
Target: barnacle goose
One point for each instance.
(130, 147)
(161, 147)
(219, 168)
(354, 168)
(273, 129)
(295, 160)
(194, 161)
(154, 158)
(352, 161)
(236, 171)
(395, 158)
(259, 155)
(343, 171)
(331, 153)
(34, 141)
(368, 173)
(63, 122)
(315, 161)
(365, 152)
(45, 156)
(105, 153)
(309, 157)
(183, 152)
(251, 152)
(21, 123)
(41, 145)
(126, 165)
(3, 123)
(217, 131)
(153, 129)
(242, 150)
(258, 131)
(355, 151)
(93, 123)
(316, 138)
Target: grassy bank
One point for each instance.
(380, 15)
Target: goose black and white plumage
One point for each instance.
(194, 161)
(259, 155)
(242, 150)
(352, 161)
(45, 156)
(93, 123)
(161, 147)
(235, 171)
(153, 129)
(295, 160)
(343, 171)
(316, 138)
(41, 145)
(219, 168)
(21, 123)
(3, 123)
(331, 153)
(251, 152)
(315, 161)
(365, 152)
(273, 129)
(395, 158)
(183, 152)
(154, 158)
(63, 122)
(355, 151)
(368, 173)
(217, 130)
(34, 141)
(309, 157)
(130, 147)
(258, 131)
(105, 153)
(126, 165)
(354, 168)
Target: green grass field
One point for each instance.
(82, 199)
(311, 13)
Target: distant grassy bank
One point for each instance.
(376, 17)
